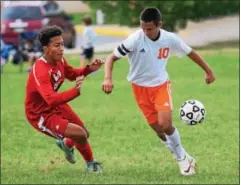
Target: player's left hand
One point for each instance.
(209, 78)
(95, 64)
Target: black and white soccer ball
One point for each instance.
(192, 112)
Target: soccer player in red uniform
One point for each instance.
(47, 110)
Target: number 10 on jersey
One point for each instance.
(163, 53)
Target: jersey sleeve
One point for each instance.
(44, 87)
(126, 46)
(72, 73)
(179, 47)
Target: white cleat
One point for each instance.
(187, 166)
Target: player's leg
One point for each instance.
(76, 133)
(163, 104)
(57, 127)
(84, 148)
(87, 56)
(83, 60)
(171, 133)
(148, 109)
(88, 61)
(156, 105)
(61, 128)
(160, 133)
(90, 55)
(186, 162)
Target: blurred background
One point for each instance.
(199, 23)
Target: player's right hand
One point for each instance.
(79, 82)
(209, 77)
(107, 86)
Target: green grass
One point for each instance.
(77, 17)
(121, 139)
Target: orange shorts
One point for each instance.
(153, 99)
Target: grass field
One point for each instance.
(121, 139)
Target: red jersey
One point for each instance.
(43, 83)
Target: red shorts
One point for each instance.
(54, 124)
(153, 99)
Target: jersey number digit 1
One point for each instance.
(163, 53)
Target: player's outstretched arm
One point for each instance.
(209, 77)
(72, 73)
(107, 85)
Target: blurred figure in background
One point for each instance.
(99, 17)
(28, 50)
(2, 47)
(9, 53)
(31, 49)
(88, 43)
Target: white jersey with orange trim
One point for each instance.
(148, 59)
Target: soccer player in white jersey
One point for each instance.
(148, 50)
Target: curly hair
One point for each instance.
(48, 32)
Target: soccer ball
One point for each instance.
(192, 112)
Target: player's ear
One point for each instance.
(45, 48)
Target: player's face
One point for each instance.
(55, 49)
(150, 29)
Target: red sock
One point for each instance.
(68, 142)
(85, 151)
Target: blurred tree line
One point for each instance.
(175, 13)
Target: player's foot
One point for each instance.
(187, 166)
(68, 152)
(94, 166)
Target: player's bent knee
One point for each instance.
(164, 125)
(87, 132)
(81, 138)
(76, 132)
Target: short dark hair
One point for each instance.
(47, 33)
(87, 20)
(151, 14)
